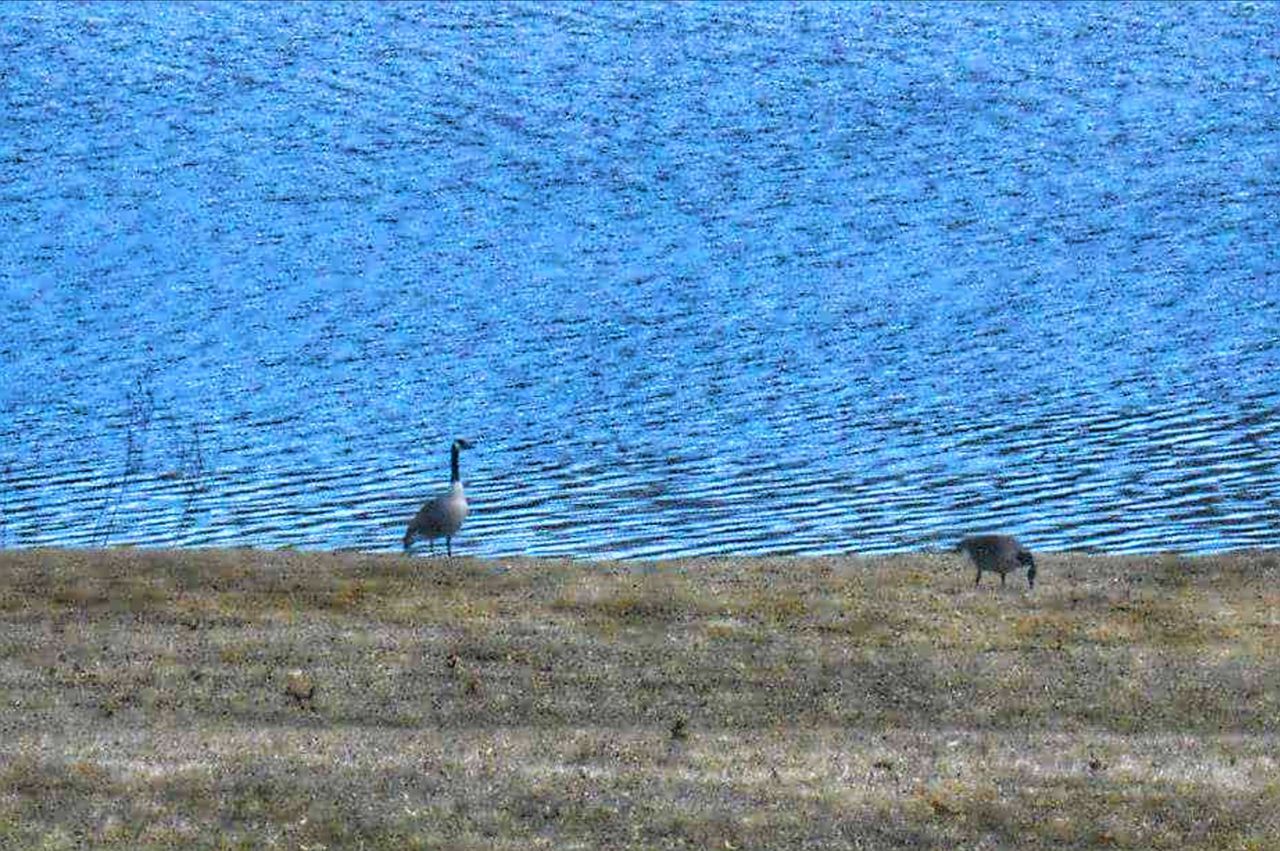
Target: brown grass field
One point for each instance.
(146, 701)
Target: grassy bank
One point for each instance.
(722, 703)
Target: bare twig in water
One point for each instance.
(142, 403)
(192, 472)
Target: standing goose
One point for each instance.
(998, 553)
(442, 516)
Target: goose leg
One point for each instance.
(977, 578)
(448, 544)
(1002, 580)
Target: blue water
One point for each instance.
(698, 278)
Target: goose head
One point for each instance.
(1025, 559)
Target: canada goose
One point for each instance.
(442, 516)
(999, 553)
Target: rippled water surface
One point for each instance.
(752, 278)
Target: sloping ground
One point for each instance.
(146, 701)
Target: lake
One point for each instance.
(695, 279)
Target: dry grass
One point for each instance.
(151, 700)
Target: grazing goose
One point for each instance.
(441, 517)
(999, 553)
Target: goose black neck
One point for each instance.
(453, 463)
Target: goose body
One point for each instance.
(441, 517)
(999, 554)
